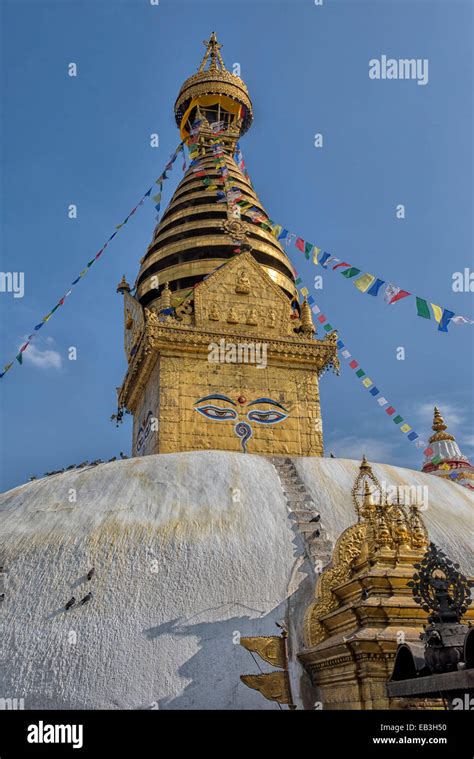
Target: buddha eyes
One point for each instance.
(266, 417)
(222, 414)
(217, 413)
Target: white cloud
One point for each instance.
(44, 359)
(452, 414)
(352, 447)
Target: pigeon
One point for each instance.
(70, 603)
(91, 573)
(316, 518)
(86, 599)
(316, 534)
(365, 594)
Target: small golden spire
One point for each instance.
(123, 286)
(438, 421)
(165, 298)
(212, 51)
(439, 428)
(307, 325)
(368, 500)
(364, 465)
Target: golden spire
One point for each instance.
(217, 91)
(123, 286)
(364, 465)
(307, 326)
(165, 301)
(212, 51)
(439, 428)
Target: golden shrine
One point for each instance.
(221, 353)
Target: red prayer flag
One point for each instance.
(401, 294)
(300, 244)
(321, 318)
(354, 364)
(390, 410)
(343, 263)
(428, 451)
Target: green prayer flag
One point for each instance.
(422, 308)
(328, 327)
(307, 249)
(352, 272)
(360, 372)
(398, 419)
(436, 460)
(19, 358)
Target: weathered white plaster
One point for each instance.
(188, 549)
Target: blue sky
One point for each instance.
(85, 140)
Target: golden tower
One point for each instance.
(221, 354)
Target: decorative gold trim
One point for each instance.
(347, 549)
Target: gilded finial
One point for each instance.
(165, 298)
(365, 497)
(438, 421)
(439, 428)
(307, 325)
(364, 464)
(212, 52)
(123, 286)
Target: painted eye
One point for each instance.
(266, 417)
(217, 413)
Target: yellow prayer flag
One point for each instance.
(276, 230)
(437, 312)
(316, 252)
(405, 428)
(363, 282)
(367, 382)
(304, 291)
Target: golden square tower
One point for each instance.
(221, 353)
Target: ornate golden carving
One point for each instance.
(235, 228)
(270, 647)
(348, 548)
(243, 282)
(252, 318)
(232, 317)
(134, 324)
(275, 686)
(214, 312)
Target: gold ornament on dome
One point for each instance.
(237, 229)
(363, 496)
